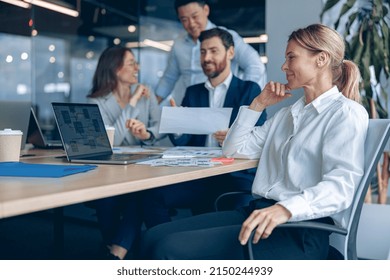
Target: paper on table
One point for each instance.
(191, 152)
(194, 120)
(182, 162)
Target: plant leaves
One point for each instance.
(350, 21)
(344, 9)
(328, 5)
(356, 49)
(377, 50)
(386, 49)
(370, 45)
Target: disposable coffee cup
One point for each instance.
(10, 144)
(110, 133)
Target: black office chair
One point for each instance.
(343, 239)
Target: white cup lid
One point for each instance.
(9, 131)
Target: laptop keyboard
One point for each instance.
(121, 156)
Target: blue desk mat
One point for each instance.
(21, 169)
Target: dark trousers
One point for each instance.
(215, 236)
(120, 219)
(198, 195)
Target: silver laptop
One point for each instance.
(15, 115)
(84, 136)
(35, 135)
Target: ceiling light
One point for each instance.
(9, 59)
(54, 7)
(131, 28)
(157, 45)
(17, 3)
(253, 40)
(116, 41)
(135, 45)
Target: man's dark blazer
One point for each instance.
(239, 93)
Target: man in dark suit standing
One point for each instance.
(222, 89)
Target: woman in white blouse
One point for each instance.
(310, 161)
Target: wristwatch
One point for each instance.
(151, 138)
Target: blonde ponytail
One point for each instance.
(347, 78)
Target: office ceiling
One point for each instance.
(247, 17)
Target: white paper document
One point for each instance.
(181, 162)
(192, 152)
(194, 120)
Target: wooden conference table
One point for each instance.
(22, 195)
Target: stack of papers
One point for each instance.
(185, 162)
(190, 156)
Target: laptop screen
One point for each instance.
(82, 129)
(34, 134)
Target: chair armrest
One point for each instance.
(304, 224)
(315, 225)
(227, 194)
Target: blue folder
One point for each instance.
(21, 169)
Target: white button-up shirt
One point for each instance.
(217, 97)
(311, 156)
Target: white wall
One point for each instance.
(283, 17)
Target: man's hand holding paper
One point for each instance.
(220, 136)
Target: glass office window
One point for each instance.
(15, 67)
(15, 53)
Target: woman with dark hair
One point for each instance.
(124, 103)
(310, 162)
(133, 110)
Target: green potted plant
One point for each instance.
(365, 27)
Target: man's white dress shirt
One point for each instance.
(217, 97)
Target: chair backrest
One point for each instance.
(377, 137)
